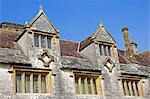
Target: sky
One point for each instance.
(78, 19)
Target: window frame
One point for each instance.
(32, 71)
(105, 49)
(91, 77)
(132, 86)
(46, 40)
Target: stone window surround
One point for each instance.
(15, 70)
(47, 35)
(108, 47)
(90, 75)
(111, 46)
(40, 40)
(132, 85)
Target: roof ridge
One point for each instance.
(14, 24)
(69, 41)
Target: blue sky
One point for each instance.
(77, 19)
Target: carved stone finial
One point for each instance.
(101, 24)
(41, 7)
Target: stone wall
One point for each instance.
(90, 53)
(6, 82)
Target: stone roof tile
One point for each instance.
(7, 38)
(10, 51)
(141, 59)
(69, 62)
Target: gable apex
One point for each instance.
(103, 35)
(41, 22)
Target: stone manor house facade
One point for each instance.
(36, 64)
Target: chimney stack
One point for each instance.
(134, 47)
(129, 53)
(126, 37)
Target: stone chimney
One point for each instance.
(129, 53)
(134, 47)
(126, 37)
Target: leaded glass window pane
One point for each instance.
(27, 83)
(49, 42)
(105, 52)
(89, 86)
(18, 83)
(35, 83)
(43, 82)
(83, 86)
(43, 41)
(109, 51)
(100, 49)
(36, 40)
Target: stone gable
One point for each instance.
(104, 36)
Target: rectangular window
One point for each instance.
(18, 83)
(43, 41)
(32, 82)
(36, 40)
(27, 83)
(132, 87)
(49, 42)
(87, 84)
(100, 49)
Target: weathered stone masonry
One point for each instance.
(36, 64)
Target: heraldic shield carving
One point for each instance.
(45, 57)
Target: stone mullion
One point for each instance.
(40, 41)
(92, 86)
(31, 83)
(99, 86)
(140, 88)
(86, 86)
(53, 41)
(130, 88)
(48, 83)
(80, 85)
(135, 89)
(46, 42)
(23, 82)
(33, 38)
(14, 81)
(126, 88)
(39, 84)
(112, 51)
(107, 54)
(102, 47)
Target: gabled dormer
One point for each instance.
(103, 35)
(40, 41)
(42, 29)
(100, 47)
(105, 41)
(42, 23)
